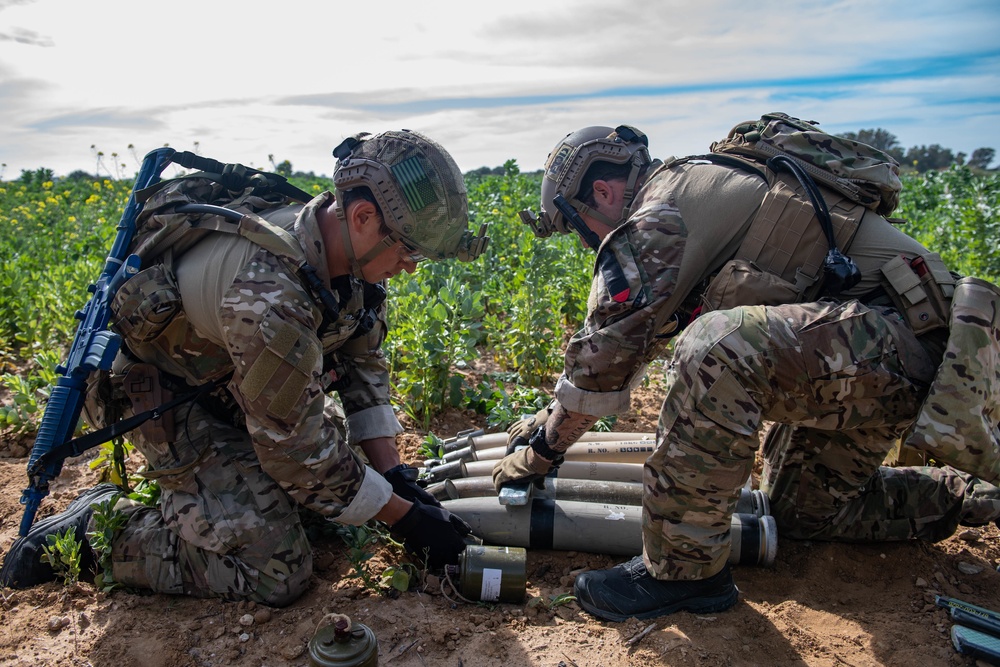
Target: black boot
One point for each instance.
(23, 566)
(629, 591)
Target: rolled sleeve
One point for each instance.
(375, 422)
(596, 403)
(373, 495)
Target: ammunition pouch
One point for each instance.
(144, 388)
(959, 421)
(921, 289)
(743, 283)
(146, 304)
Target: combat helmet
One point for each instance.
(565, 168)
(419, 189)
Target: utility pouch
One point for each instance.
(921, 289)
(146, 303)
(146, 392)
(743, 283)
(959, 422)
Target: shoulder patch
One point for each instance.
(614, 277)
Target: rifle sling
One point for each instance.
(77, 446)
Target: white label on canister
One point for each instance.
(490, 591)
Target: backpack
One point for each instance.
(179, 212)
(861, 173)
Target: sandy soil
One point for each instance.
(819, 605)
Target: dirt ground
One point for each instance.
(819, 605)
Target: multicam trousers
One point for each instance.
(841, 382)
(224, 528)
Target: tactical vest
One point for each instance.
(781, 258)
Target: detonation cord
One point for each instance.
(454, 588)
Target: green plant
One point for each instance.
(361, 541)
(431, 447)
(554, 601)
(491, 398)
(62, 553)
(110, 461)
(107, 522)
(146, 491)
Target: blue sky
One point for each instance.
(239, 81)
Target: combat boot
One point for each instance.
(628, 591)
(23, 566)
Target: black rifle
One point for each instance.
(94, 347)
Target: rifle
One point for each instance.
(94, 347)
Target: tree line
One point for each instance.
(916, 158)
(921, 158)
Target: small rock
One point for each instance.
(262, 616)
(244, 637)
(324, 561)
(57, 623)
(292, 650)
(246, 620)
(969, 568)
(970, 536)
(921, 582)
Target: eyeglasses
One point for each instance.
(409, 253)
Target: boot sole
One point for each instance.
(703, 605)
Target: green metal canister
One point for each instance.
(342, 643)
(492, 574)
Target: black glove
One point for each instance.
(432, 533)
(404, 484)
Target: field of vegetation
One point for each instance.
(514, 305)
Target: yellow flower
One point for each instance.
(92, 199)
(47, 185)
(96, 185)
(72, 218)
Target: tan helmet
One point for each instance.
(419, 189)
(565, 168)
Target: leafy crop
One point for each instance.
(513, 307)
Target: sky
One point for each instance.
(256, 81)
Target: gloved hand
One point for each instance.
(521, 467)
(432, 533)
(520, 431)
(404, 484)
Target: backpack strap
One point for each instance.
(272, 238)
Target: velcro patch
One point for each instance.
(614, 277)
(283, 367)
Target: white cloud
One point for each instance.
(253, 78)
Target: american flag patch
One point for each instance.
(413, 180)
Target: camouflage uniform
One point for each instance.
(842, 380)
(232, 474)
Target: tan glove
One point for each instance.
(520, 431)
(521, 467)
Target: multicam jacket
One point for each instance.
(687, 220)
(245, 312)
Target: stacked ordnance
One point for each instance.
(592, 502)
